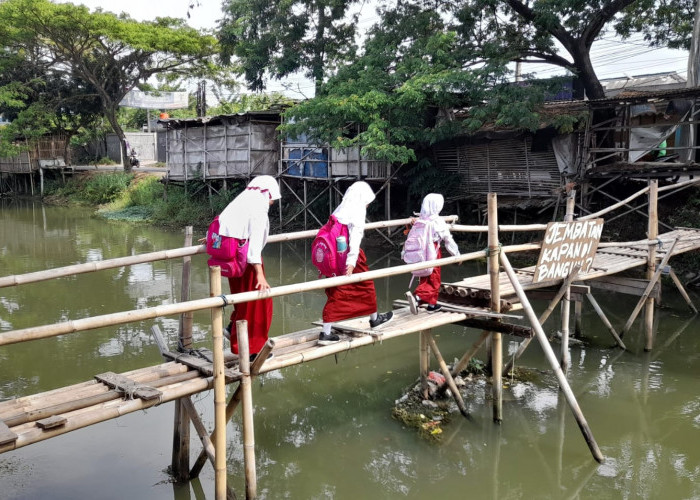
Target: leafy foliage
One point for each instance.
(281, 38)
(103, 54)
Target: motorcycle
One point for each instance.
(134, 159)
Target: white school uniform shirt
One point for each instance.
(246, 217)
(352, 212)
(430, 210)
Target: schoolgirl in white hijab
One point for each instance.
(352, 212)
(354, 299)
(429, 286)
(246, 217)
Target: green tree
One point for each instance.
(109, 53)
(284, 37)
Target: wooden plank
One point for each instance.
(128, 386)
(6, 435)
(51, 422)
(493, 325)
(629, 286)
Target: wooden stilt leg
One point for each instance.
(684, 294)
(605, 320)
(551, 357)
(424, 364)
(543, 318)
(446, 372)
(494, 278)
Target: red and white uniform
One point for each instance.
(429, 286)
(355, 299)
(246, 218)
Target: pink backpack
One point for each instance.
(419, 247)
(329, 253)
(230, 254)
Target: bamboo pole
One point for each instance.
(234, 401)
(565, 357)
(578, 318)
(446, 372)
(605, 320)
(55, 329)
(180, 461)
(506, 228)
(543, 317)
(89, 267)
(424, 363)
(464, 360)
(549, 354)
(247, 410)
(645, 296)
(652, 232)
(219, 386)
(496, 339)
(682, 291)
(612, 207)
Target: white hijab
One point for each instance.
(432, 206)
(353, 208)
(252, 204)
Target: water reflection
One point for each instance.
(324, 429)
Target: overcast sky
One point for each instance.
(611, 57)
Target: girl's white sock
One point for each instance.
(327, 328)
(373, 316)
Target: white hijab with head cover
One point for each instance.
(352, 212)
(252, 204)
(353, 208)
(432, 206)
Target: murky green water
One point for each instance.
(324, 429)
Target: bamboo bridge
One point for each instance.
(494, 303)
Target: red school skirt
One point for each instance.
(258, 313)
(428, 287)
(353, 300)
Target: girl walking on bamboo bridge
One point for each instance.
(430, 231)
(355, 299)
(246, 218)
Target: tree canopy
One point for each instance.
(283, 37)
(106, 54)
(428, 70)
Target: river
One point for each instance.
(324, 429)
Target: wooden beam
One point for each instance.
(127, 386)
(446, 372)
(682, 291)
(605, 321)
(628, 286)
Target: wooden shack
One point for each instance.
(225, 146)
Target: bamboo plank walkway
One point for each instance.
(608, 260)
(30, 419)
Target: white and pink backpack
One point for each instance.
(419, 247)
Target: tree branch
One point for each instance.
(557, 31)
(600, 18)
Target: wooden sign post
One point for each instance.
(566, 245)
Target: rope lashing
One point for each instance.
(496, 251)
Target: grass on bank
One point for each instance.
(140, 198)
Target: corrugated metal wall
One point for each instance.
(220, 151)
(508, 167)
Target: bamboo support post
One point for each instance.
(247, 409)
(424, 363)
(464, 360)
(496, 339)
(180, 462)
(565, 357)
(578, 318)
(446, 372)
(235, 400)
(653, 232)
(219, 386)
(551, 357)
(605, 320)
(645, 296)
(543, 317)
(682, 291)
